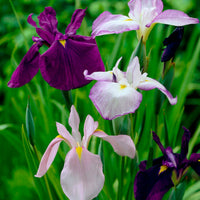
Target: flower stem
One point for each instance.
(45, 177)
(68, 98)
(120, 187)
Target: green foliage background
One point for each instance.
(47, 104)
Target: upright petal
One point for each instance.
(76, 21)
(133, 73)
(122, 144)
(62, 66)
(74, 122)
(48, 156)
(107, 23)
(31, 21)
(66, 135)
(82, 179)
(113, 100)
(99, 76)
(89, 127)
(150, 84)
(175, 18)
(47, 20)
(185, 142)
(27, 68)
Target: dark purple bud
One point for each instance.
(172, 42)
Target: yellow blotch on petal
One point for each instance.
(198, 160)
(162, 169)
(122, 87)
(63, 42)
(60, 136)
(128, 20)
(79, 151)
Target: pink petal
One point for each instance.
(89, 127)
(74, 122)
(48, 156)
(82, 180)
(175, 18)
(107, 23)
(111, 101)
(150, 84)
(122, 144)
(66, 135)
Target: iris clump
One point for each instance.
(62, 65)
(166, 171)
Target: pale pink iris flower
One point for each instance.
(82, 177)
(143, 15)
(115, 92)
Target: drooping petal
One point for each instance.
(63, 64)
(150, 84)
(47, 20)
(113, 100)
(82, 179)
(122, 144)
(66, 135)
(27, 68)
(89, 127)
(150, 184)
(107, 23)
(76, 21)
(133, 73)
(48, 156)
(175, 18)
(185, 142)
(74, 122)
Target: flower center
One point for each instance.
(122, 86)
(79, 150)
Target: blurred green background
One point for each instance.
(48, 104)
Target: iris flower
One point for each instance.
(62, 65)
(143, 15)
(166, 171)
(115, 92)
(82, 177)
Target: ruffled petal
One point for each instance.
(76, 21)
(175, 18)
(150, 184)
(74, 122)
(62, 66)
(89, 127)
(82, 179)
(107, 23)
(66, 135)
(150, 84)
(27, 68)
(113, 100)
(47, 20)
(48, 156)
(122, 144)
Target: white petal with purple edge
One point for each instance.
(113, 100)
(82, 179)
(107, 23)
(48, 156)
(175, 18)
(150, 84)
(74, 122)
(122, 144)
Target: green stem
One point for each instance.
(68, 98)
(120, 187)
(20, 26)
(45, 177)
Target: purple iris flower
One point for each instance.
(62, 65)
(166, 171)
(172, 42)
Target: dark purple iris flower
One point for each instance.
(172, 42)
(62, 65)
(166, 172)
